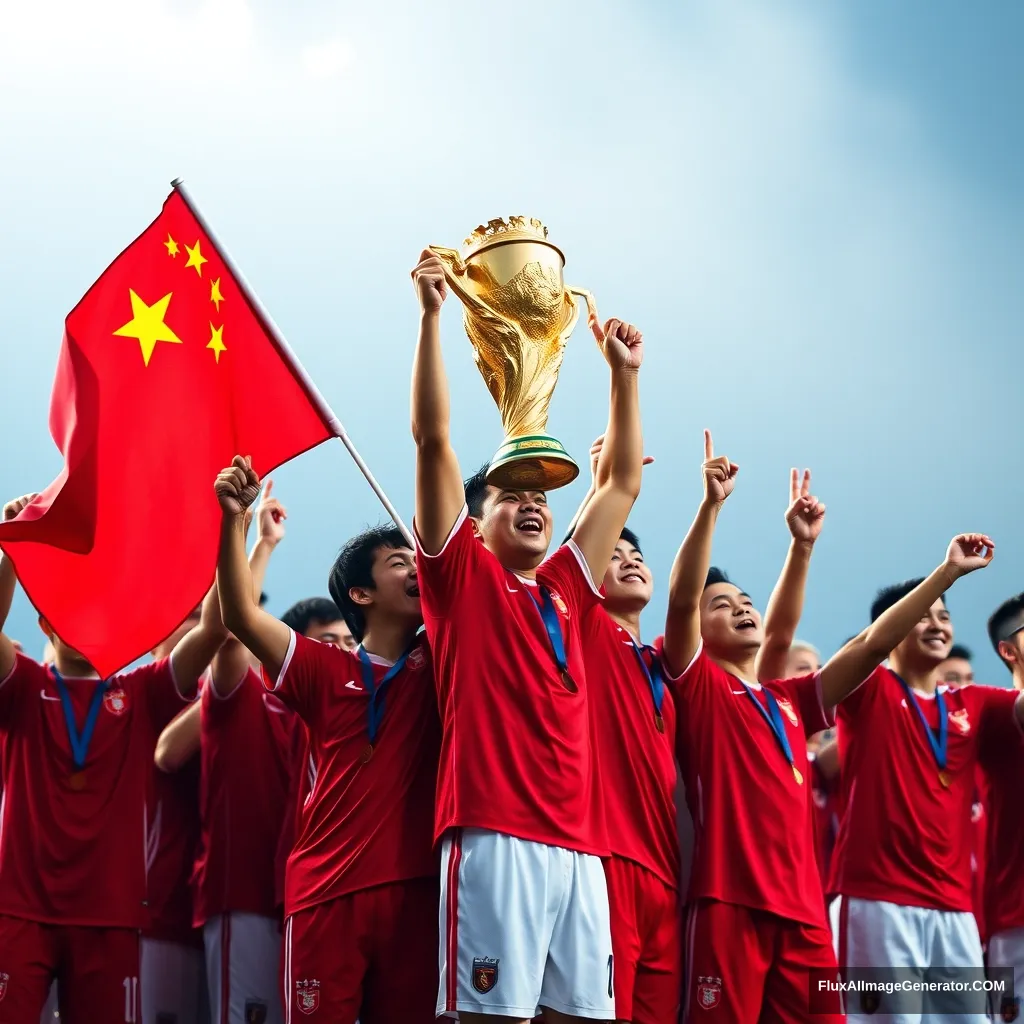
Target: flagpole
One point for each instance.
(297, 368)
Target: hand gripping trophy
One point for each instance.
(518, 315)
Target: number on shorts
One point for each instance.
(131, 1000)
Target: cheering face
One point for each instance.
(627, 580)
(396, 592)
(334, 633)
(928, 643)
(730, 625)
(956, 672)
(516, 527)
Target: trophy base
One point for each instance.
(534, 462)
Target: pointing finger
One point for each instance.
(709, 446)
(793, 491)
(268, 488)
(805, 488)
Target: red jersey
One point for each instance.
(905, 838)
(246, 738)
(1003, 778)
(752, 818)
(826, 819)
(637, 760)
(517, 753)
(300, 785)
(171, 848)
(367, 821)
(77, 856)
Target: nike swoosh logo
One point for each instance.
(351, 685)
(45, 696)
(272, 704)
(739, 693)
(511, 590)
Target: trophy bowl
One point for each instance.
(518, 314)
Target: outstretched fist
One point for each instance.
(805, 515)
(719, 474)
(431, 286)
(238, 486)
(270, 517)
(621, 343)
(14, 508)
(969, 551)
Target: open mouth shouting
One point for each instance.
(745, 625)
(530, 523)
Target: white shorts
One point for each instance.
(243, 968)
(523, 925)
(173, 983)
(921, 944)
(1006, 949)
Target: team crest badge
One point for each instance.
(787, 709)
(307, 995)
(959, 719)
(416, 659)
(5, 978)
(485, 973)
(1009, 1008)
(115, 701)
(709, 992)
(559, 604)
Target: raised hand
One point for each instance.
(431, 286)
(621, 343)
(270, 517)
(13, 508)
(595, 454)
(805, 515)
(237, 487)
(969, 551)
(719, 474)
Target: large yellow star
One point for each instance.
(195, 258)
(147, 324)
(215, 296)
(217, 341)
(172, 246)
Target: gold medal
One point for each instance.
(364, 757)
(77, 781)
(796, 775)
(568, 682)
(659, 722)
(944, 779)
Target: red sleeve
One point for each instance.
(805, 693)
(566, 573)
(696, 676)
(159, 689)
(998, 726)
(305, 673)
(445, 576)
(18, 682)
(850, 709)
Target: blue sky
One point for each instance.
(814, 212)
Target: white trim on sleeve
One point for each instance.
(14, 667)
(693, 661)
(828, 715)
(284, 665)
(177, 685)
(463, 516)
(584, 567)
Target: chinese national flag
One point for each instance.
(166, 372)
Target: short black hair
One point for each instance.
(630, 538)
(716, 575)
(960, 651)
(304, 613)
(888, 596)
(476, 491)
(354, 568)
(263, 599)
(1009, 610)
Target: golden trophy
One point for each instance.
(518, 315)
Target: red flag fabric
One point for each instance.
(165, 373)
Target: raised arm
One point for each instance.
(439, 492)
(179, 742)
(620, 466)
(805, 517)
(690, 569)
(847, 669)
(595, 475)
(268, 638)
(8, 581)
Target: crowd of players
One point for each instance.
(451, 788)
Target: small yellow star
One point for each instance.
(147, 325)
(217, 341)
(172, 246)
(195, 258)
(215, 296)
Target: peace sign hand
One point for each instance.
(805, 515)
(719, 474)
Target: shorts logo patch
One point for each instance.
(416, 660)
(1009, 1008)
(115, 701)
(307, 995)
(4, 980)
(870, 1002)
(255, 1012)
(485, 973)
(709, 992)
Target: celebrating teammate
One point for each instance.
(524, 901)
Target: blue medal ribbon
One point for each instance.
(773, 716)
(654, 680)
(378, 691)
(549, 617)
(80, 740)
(938, 744)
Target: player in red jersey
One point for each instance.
(361, 886)
(77, 755)
(524, 898)
(758, 947)
(902, 863)
(1003, 776)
